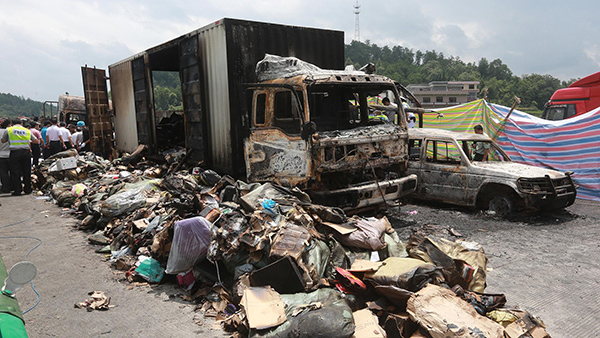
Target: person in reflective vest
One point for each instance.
(19, 139)
(378, 116)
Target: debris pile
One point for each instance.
(264, 261)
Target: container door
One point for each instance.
(143, 116)
(98, 115)
(191, 94)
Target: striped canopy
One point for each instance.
(567, 145)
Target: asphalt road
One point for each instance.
(68, 268)
(546, 264)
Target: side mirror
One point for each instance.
(308, 129)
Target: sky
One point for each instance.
(43, 44)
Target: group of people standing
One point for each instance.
(58, 137)
(23, 144)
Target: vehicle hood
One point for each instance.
(515, 169)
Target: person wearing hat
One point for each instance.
(19, 139)
(77, 137)
(85, 143)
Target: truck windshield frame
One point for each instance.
(337, 106)
(559, 112)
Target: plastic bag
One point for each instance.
(128, 199)
(407, 273)
(191, 239)
(368, 236)
(333, 320)
(150, 269)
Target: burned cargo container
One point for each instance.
(325, 142)
(213, 63)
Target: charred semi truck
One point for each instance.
(327, 132)
(272, 119)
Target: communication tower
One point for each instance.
(356, 24)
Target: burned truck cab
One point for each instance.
(339, 135)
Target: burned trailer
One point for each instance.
(71, 109)
(328, 132)
(216, 65)
(212, 63)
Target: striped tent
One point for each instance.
(566, 145)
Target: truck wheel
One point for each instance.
(501, 205)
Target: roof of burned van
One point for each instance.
(274, 67)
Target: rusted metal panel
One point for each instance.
(273, 156)
(191, 87)
(142, 99)
(98, 115)
(122, 94)
(376, 146)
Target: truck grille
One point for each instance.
(546, 185)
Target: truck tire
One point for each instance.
(502, 205)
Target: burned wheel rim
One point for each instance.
(501, 205)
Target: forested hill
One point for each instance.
(412, 67)
(14, 106)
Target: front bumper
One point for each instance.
(552, 193)
(367, 194)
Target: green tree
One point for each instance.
(413, 67)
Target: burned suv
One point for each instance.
(447, 172)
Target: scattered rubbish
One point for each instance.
(264, 307)
(97, 301)
(283, 275)
(444, 315)
(66, 163)
(190, 244)
(367, 325)
(266, 261)
(149, 269)
(369, 234)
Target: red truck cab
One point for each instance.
(580, 97)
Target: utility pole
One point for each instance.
(356, 24)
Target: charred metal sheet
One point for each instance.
(145, 125)
(375, 146)
(273, 156)
(368, 194)
(71, 104)
(191, 91)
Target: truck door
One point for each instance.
(443, 173)
(191, 94)
(143, 114)
(274, 150)
(98, 115)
